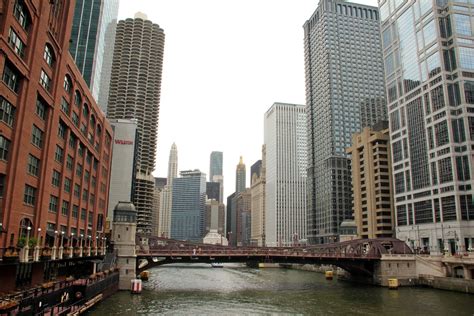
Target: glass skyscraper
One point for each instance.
(215, 168)
(344, 79)
(189, 206)
(92, 43)
(429, 69)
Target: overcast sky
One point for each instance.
(225, 63)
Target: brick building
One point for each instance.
(55, 142)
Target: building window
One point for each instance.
(65, 208)
(75, 211)
(85, 111)
(16, 43)
(77, 98)
(7, 111)
(41, 109)
(77, 190)
(4, 148)
(45, 81)
(72, 141)
(87, 176)
(56, 179)
(445, 170)
(53, 204)
(33, 165)
(59, 154)
(2, 184)
(21, 14)
(85, 195)
(30, 195)
(62, 128)
(67, 185)
(65, 107)
(69, 162)
(83, 214)
(48, 55)
(11, 77)
(67, 84)
(75, 119)
(79, 170)
(91, 216)
(37, 136)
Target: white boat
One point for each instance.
(217, 265)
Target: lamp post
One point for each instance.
(53, 252)
(71, 246)
(96, 245)
(61, 248)
(36, 253)
(80, 245)
(89, 245)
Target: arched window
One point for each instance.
(77, 98)
(21, 14)
(67, 83)
(24, 224)
(85, 110)
(48, 55)
(92, 122)
(99, 130)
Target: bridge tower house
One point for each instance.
(123, 238)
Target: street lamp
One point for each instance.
(62, 237)
(28, 229)
(39, 236)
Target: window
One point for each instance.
(4, 147)
(85, 111)
(62, 128)
(2, 184)
(445, 170)
(7, 111)
(48, 55)
(67, 84)
(72, 141)
(85, 195)
(86, 176)
(59, 154)
(40, 108)
(45, 81)
(65, 208)
(79, 170)
(21, 14)
(75, 211)
(11, 77)
(77, 190)
(93, 182)
(33, 165)
(37, 136)
(441, 133)
(67, 185)
(77, 98)
(16, 43)
(69, 162)
(83, 214)
(53, 204)
(56, 179)
(65, 107)
(75, 118)
(30, 194)
(91, 216)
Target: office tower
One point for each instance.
(429, 66)
(160, 184)
(215, 216)
(285, 167)
(240, 176)
(92, 44)
(216, 162)
(213, 191)
(122, 173)
(257, 176)
(135, 93)
(344, 69)
(242, 218)
(56, 145)
(166, 198)
(372, 182)
(231, 220)
(220, 180)
(188, 206)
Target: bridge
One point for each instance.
(358, 257)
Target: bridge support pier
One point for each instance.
(123, 238)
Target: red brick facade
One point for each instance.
(58, 180)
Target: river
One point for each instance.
(202, 290)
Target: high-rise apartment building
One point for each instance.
(429, 71)
(135, 87)
(160, 184)
(56, 146)
(92, 44)
(372, 182)
(240, 176)
(188, 206)
(166, 195)
(344, 78)
(257, 175)
(122, 172)
(285, 170)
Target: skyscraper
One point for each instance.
(92, 44)
(188, 206)
(135, 93)
(344, 71)
(258, 182)
(166, 198)
(160, 184)
(215, 168)
(429, 66)
(240, 176)
(285, 186)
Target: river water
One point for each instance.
(202, 290)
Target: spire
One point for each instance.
(241, 162)
(173, 164)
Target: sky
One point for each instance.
(225, 63)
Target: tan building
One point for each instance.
(371, 181)
(243, 213)
(257, 190)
